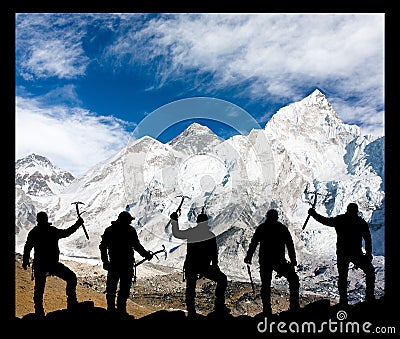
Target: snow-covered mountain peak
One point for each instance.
(313, 118)
(197, 128)
(196, 139)
(316, 98)
(33, 162)
(313, 136)
(37, 176)
(194, 130)
(312, 112)
(142, 144)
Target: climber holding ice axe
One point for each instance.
(76, 203)
(178, 211)
(274, 238)
(352, 233)
(118, 244)
(313, 204)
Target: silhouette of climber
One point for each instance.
(274, 238)
(117, 246)
(43, 238)
(351, 230)
(201, 261)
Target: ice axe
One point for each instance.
(154, 254)
(143, 260)
(178, 210)
(76, 203)
(314, 203)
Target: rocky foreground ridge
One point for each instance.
(316, 318)
(156, 308)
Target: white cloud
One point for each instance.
(50, 46)
(263, 47)
(73, 139)
(53, 58)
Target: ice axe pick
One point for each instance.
(314, 203)
(178, 210)
(76, 203)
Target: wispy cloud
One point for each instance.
(50, 46)
(260, 46)
(72, 138)
(62, 95)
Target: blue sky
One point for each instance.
(86, 84)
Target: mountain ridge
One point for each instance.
(37, 176)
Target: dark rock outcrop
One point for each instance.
(316, 318)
